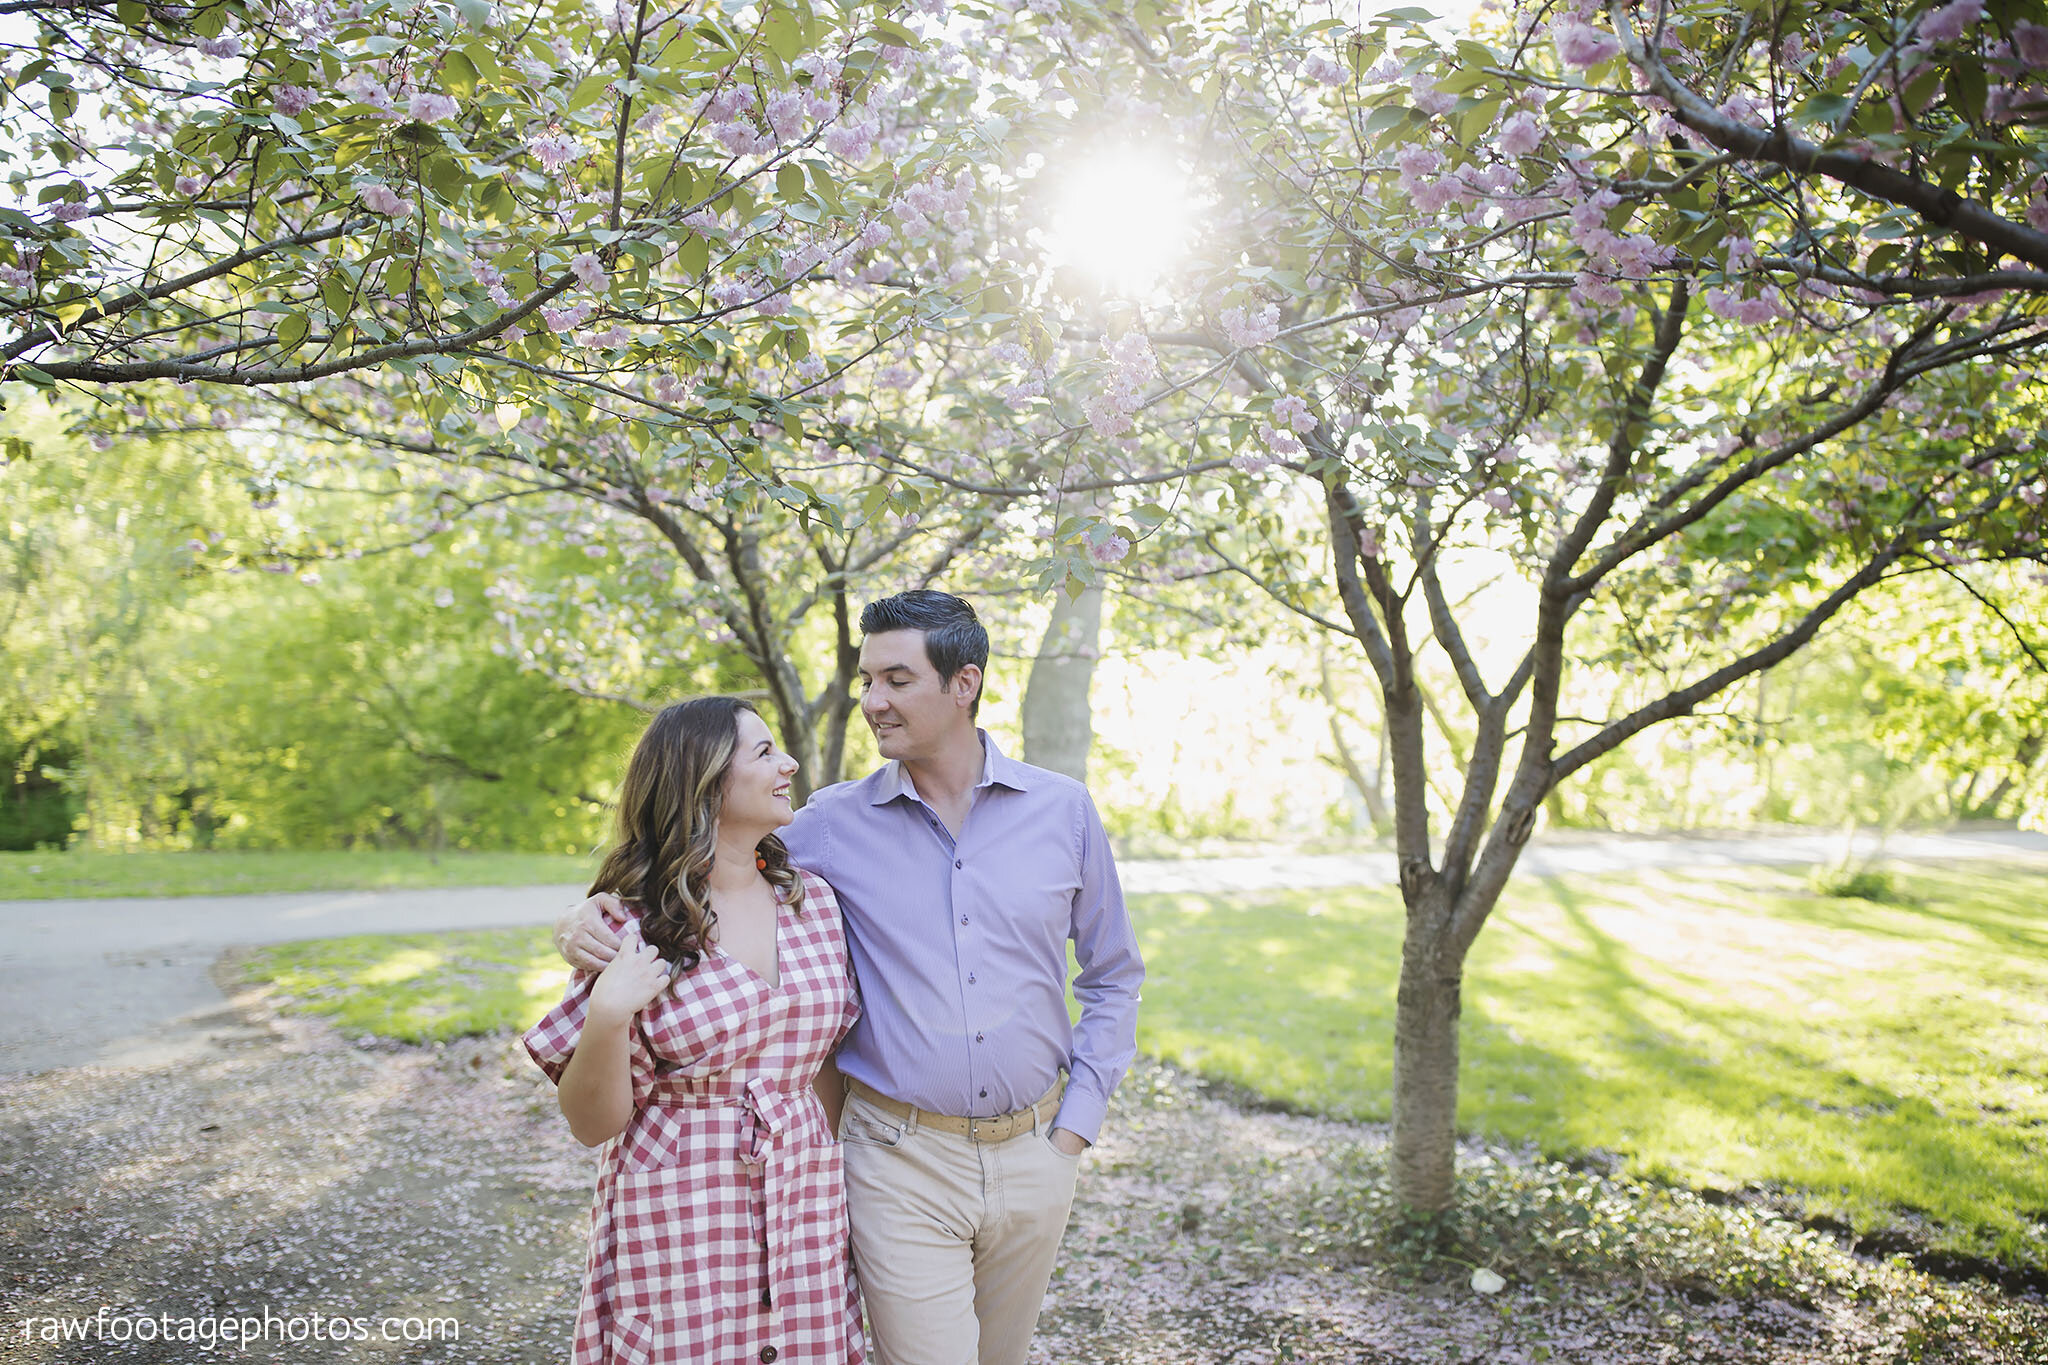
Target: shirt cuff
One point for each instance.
(1081, 1114)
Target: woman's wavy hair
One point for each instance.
(668, 827)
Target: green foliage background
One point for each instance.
(357, 703)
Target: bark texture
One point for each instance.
(1059, 722)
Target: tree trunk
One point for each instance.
(1426, 1016)
(1369, 789)
(1059, 723)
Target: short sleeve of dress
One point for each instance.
(552, 1041)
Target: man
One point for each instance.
(962, 875)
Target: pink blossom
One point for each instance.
(362, 86)
(1430, 100)
(188, 185)
(1110, 550)
(1281, 443)
(851, 140)
(1134, 361)
(383, 199)
(1293, 412)
(1580, 45)
(786, 114)
(1415, 162)
(1498, 500)
(431, 107)
(2030, 42)
(565, 319)
(227, 45)
(293, 100)
(1247, 329)
(588, 270)
(2037, 208)
(730, 293)
(1252, 462)
(70, 210)
(1320, 69)
(742, 138)
(555, 150)
(14, 277)
(1520, 135)
(1946, 24)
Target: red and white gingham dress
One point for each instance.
(719, 1229)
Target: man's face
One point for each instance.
(912, 713)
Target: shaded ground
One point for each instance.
(278, 1168)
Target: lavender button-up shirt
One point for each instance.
(961, 946)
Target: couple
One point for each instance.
(699, 1036)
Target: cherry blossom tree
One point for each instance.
(1519, 343)
(483, 198)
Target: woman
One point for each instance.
(719, 1229)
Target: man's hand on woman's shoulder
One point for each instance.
(584, 935)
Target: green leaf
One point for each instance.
(63, 103)
(590, 90)
(292, 330)
(1385, 117)
(1477, 120)
(694, 255)
(459, 75)
(783, 34)
(334, 292)
(789, 183)
(1967, 88)
(898, 35)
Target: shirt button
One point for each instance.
(963, 919)
(977, 1037)
(970, 978)
(984, 1094)
(768, 1354)
(957, 864)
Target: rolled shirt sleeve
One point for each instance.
(1111, 971)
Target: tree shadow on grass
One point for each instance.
(1578, 1040)
(1996, 905)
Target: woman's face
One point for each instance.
(757, 783)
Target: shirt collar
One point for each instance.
(997, 769)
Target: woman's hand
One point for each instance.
(584, 935)
(633, 978)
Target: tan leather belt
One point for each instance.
(996, 1128)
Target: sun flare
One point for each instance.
(1122, 217)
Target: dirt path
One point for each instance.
(279, 1169)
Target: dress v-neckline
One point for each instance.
(780, 974)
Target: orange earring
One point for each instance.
(760, 863)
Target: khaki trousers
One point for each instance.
(953, 1240)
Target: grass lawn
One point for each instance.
(1884, 1063)
(66, 876)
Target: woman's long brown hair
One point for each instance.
(668, 827)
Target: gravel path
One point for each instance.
(282, 1171)
(128, 981)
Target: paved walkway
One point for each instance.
(129, 981)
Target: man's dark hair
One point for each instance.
(953, 634)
